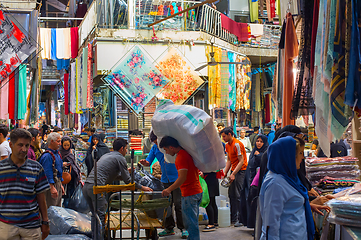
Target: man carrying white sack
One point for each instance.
(169, 176)
(237, 162)
(188, 181)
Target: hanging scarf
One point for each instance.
(281, 160)
(89, 102)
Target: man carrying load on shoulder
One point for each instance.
(237, 162)
(169, 176)
(188, 181)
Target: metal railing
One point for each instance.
(137, 14)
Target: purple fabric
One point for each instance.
(31, 153)
(255, 179)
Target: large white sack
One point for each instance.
(195, 132)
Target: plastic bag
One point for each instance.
(195, 132)
(67, 237)
(77, 201)
(67, 221)
(144, 178)
(205, 197)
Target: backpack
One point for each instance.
(55, 171)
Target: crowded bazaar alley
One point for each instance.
(180, 119)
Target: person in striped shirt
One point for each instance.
(23, 211)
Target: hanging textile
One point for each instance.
(22, 92)
(11, 95)
(214, 78)
(353, 85)
(339, 120)
(16, 98)
(238, 29)
(74, 42)
(185, 81)
(89, 102)
(4, 97)
(302, 103)
(256, 29)
(84, 79)
(224, 80)
(243, 83)
(62, 64)
(66, 93)
(77, 87)
(53, 44)
(67, 43)
(284, 8)
(45, 43)
(72, 88)
(267, 108)
(271, 10)
(257, 92)
(291, 51)
(232, 95)
(60, 43)
(253, 10)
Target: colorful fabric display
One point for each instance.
(224, 81)
(74, 42)
(4, 97)
(214, 77)
(22, 92)
(45, 43)
(256, 29)
(89, 102)
(66, 93)
(11, 100)
(84, 79)
(60, 43)
(67, 43)
(238, 29)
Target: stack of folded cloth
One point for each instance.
(136, 143)
(346, 210)
(329, 174)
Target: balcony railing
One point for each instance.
(137, 14)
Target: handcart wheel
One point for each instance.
(151, 234)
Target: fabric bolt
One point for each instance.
(224, 81)
(89, 102)
(257, 92)
(22, 92)
(268, 108)
(60, 43)
(11, 101)
(45, 43)
(16, 90)
(78, 95)
(291, 51)
(4, 95)
(232, 95)
(67, 43)
(66, 93)
(72, 87)
(84, 80)
(238, 29)
(53, 44)
(253, 9)
(74, 38)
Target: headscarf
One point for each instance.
(101, 150)
(67, 154)
(282, 160)
(288, 128)
(262, 149)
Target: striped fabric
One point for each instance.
(18, 189)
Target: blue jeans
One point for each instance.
(190, 214)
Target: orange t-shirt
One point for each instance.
(235, 149)
(191, 186)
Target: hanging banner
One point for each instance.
(15, 46)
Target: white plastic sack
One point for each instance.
(195, 132)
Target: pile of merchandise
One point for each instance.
(329, 175)
(346, 210)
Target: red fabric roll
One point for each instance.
(74, 42)
(11, 96)
(268, 108)
(66, 93)
(314, 34)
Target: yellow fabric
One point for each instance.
(243, 83)
(214, 77)
(253, 10)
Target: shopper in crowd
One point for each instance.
(249, 193)
(253, 136)
(110, 167)
(45, 128)
(34, 149)
(5, 149)
(220, 126)
(284, 203)
(25, 180)
(53, 167)
(98, 146)
(44, 141)
(90, 132)
(69, 163)
(188, 182)
(245, 140)
(212, 209)
(169, 176)
(237, 163)
(59, 130)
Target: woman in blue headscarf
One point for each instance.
(284, 204)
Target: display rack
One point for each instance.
(122, 119)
